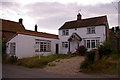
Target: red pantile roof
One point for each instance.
(39, 34)
(10, 29)
(12, 26)
(95, 21)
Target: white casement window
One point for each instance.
(12, 48)
(43, 46)
(91, 30)
(65, 32)
(88, 43)
(65, 44)
(91, 43)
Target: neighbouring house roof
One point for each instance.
(74, 35)
(39, 34)
(10, 29)
(95, 21)
(12, 26)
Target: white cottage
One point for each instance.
(88, 32)
(31, 43)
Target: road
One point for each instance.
(12, 71)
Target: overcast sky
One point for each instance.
(50, 15)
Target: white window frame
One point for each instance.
(12, 48)
(65, 32)
(97, 41)
(91, 30)
(43, 46)
(65, 44)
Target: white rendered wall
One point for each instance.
(13, 40)
(82, 32)
(25, 45)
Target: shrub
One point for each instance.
(10, 60)
(106, 49)
(101, 66)
(81, 50)
(85, 64)
(90, 56)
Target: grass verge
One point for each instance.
(35, 62)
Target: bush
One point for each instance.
(81, 50)
(90, 56)
(101, 66)
(85, 64)
(106, 49)
(10, 60)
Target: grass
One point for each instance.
(35, 62)
(102, 66)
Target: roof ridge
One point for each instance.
(88, 18)
(9, 20)
(42, 32)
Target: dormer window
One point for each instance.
(91, 30)
(65, 32)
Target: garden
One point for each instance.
(103, 60)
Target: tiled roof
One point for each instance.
(95, 21)
(12, 26)
(39, 34)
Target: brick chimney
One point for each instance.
(79, 16)
(21, 21)
(36, 27)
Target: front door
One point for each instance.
(57, 48)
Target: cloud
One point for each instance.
(52, 15)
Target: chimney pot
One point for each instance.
(79, 16)
(20, 21)
(36, 27)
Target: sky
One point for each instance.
(50, 15)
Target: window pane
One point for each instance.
(97, 43)
(93, 30)
(85, 43)
(88, 43)
(63, 44)
(88, 30)
(93, 43)
(63, 32)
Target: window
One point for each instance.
(97, 43)
(85, 43)
(65, 44)
(88, 43)
(91, 30)
(43, 46)
(75, 29)
(12, 48)
(65, 32)
(92, 43)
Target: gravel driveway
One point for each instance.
(66, 66)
